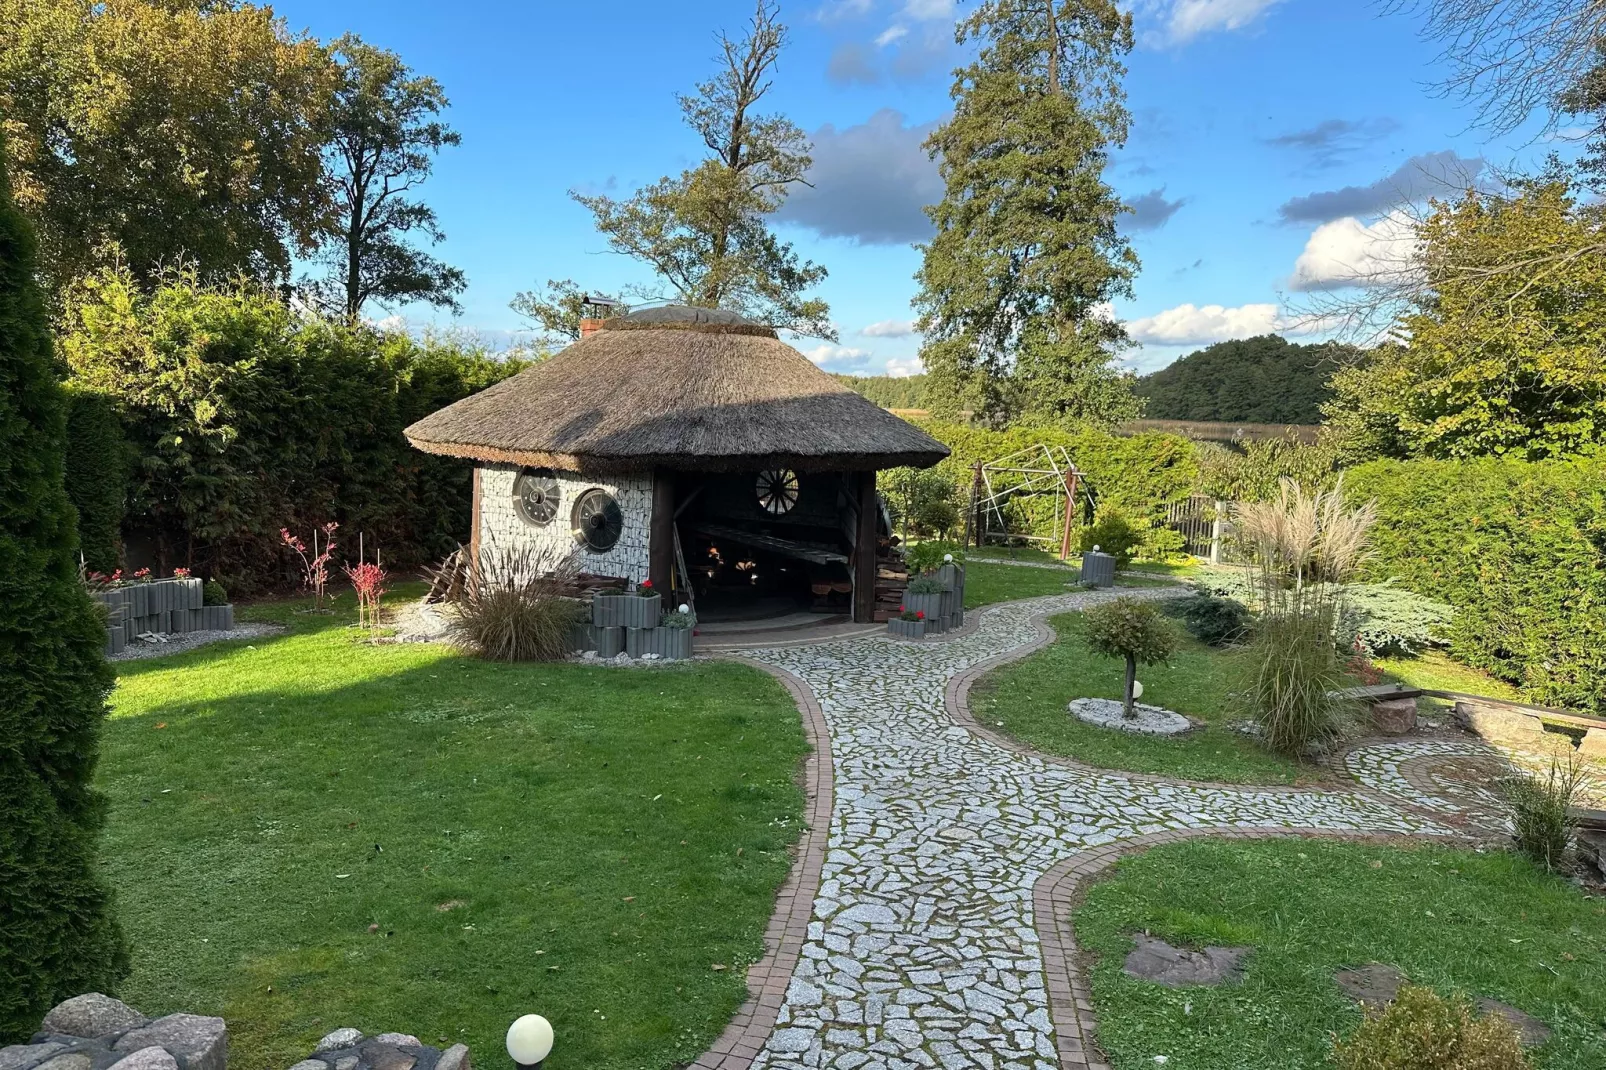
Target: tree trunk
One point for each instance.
(1128, 710)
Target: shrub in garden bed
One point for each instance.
(515, 609)
(1387, 619)
(1213, 620)
(1421, 1030)
(1541, 817)
(1135, 631)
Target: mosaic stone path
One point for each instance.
(922, 951)
(1450, 776)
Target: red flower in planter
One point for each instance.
(182, 573)
(903, 609)
(645, 585)
(920, 614)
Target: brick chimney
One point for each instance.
(589, 327)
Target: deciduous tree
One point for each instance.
(166, 130)
(556, 309)
(384, 134)
(1499, 353)
(704, 233)
(1015, 285)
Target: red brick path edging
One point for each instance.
(1057, 893)
(767, 979)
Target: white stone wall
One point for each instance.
(501, 525)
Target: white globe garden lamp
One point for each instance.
(529, 1041)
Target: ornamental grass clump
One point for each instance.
(1421, 1030)
(515, 607)
(1136, 631)
(1541, 810)
(1304, 547)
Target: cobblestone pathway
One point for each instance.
(921, 951)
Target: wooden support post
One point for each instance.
(975, 522)
(1070, 513)
(864, 551)
(474, 521)
(1215, 532)
(661, 534)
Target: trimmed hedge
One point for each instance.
(57, 934)
(1138, 474)
(97, 476)
(246, 417)
(1518, 547)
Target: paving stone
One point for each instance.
(1533, 1031)
(91, 1015)
(1373, 983)
(924, 913)
(454, 1058)
(1175, 967)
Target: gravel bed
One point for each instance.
(177, 644)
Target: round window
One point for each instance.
(777, 491)
(598, 523)
(536, 496)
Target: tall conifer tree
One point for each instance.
(1016, 283)
(57, 936)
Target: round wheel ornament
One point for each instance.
(536, 497)
(777, 491)
(598, 521)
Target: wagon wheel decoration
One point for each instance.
(777, 491)
(537, 497)
(598, 523)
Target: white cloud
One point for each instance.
(1192, 325)
(1185, 20)
(1347, 252)
(838, 10)
(929, 10)
(838, 358)
(889, 329)
(903, 367)
(891, 34)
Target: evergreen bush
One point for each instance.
(58, 937)
(1213, 620)
(1518, 548)
(97, 476)
(247, 418)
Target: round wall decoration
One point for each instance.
(598, 521)
(777, 491)
(536, 496)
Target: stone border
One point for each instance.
(1058, 892)
(768, 978)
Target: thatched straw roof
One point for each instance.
(686, 388)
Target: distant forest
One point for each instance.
(1264, 380)
(903, 392)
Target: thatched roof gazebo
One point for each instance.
(695, 425)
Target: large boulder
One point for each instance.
(92, 1015)
(199, 1041)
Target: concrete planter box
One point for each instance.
(929, 604)
(217, 618)
(115, 641)
(671, 644)
(186, 620)
(906, 629)
(1098, 569)
(580, 638)
(140, 599)
(626, 610)
(607, 642)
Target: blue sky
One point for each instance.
(1270, 139)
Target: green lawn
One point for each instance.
(1486, 924)
(987, 583)
(1029, 698)
(601, 846)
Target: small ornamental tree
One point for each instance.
(58, 937)
(1136, 631)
